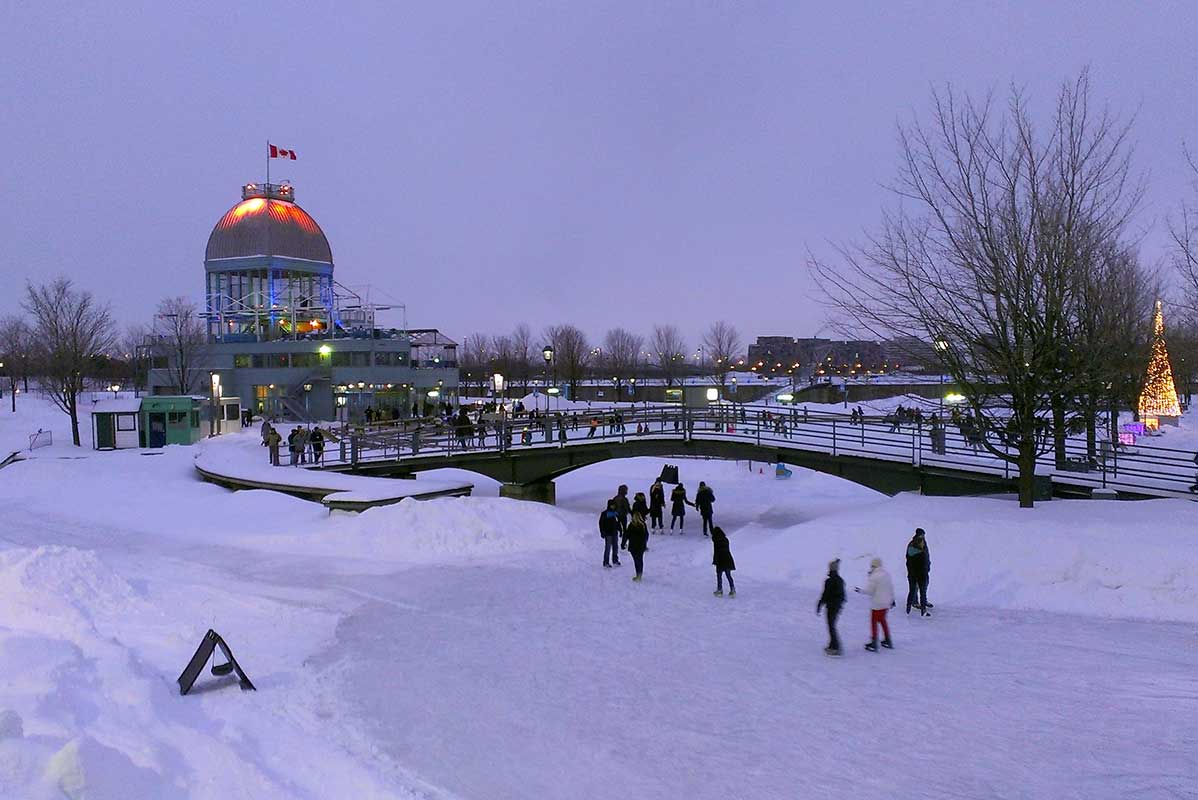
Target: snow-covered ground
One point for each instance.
(476, 648)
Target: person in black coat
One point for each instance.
(679, 502)
(833, 598)
(721, 558)
(637, 537)
(609, 529)
(657, 504)
(919, 565)
(623, 508)
(640, 505)
(704, 499)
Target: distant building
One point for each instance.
(815, 358)
(287, 339)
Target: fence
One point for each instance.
(1141, 469)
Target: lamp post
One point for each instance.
(547, 352)
(213, 419)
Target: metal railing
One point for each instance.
(1141, 469)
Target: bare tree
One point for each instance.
(182, 341)
(16, 353)
(669, 352)
(984, 260)
(521, 356)
(721, 344)
(476, 360)
(621, 354)
(70, 331)
(503, 360)
(571, 353)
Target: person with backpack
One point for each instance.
(609, 529)
(637, 538)
(721, 559)
(833, 599)
(657, 504)
(919, 564)
(880, 589)
(679, 503)
(704, 498)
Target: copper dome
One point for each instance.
(263, 226)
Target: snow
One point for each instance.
(475, 648)
(240, 456)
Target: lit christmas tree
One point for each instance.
(1159, 397)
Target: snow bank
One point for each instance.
(1093, 557)
(420, 532)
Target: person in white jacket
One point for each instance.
(880, 589)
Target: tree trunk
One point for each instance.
(1027, 470)
(1058, 430)
(1091, 434)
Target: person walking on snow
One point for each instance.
(678, 511)
(833, 600)
(657, 504)
(721, 558)
(704, 498)
(880, 589)
(609, 529)
(919, 564)
(273, 440)
(623, 509)
(637, 538)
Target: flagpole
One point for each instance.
(268, 162)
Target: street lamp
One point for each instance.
(547, 352)
(497, 384)
(214, 419)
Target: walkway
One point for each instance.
(791, 435)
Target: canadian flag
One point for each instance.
(278, 152)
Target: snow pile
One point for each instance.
(1094, 557)
(63, 584)
(417, 532)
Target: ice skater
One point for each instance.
(880, 589)
(833, 600)
(640, 505)
(919, 564)
(623, 509)
(657, 504)
(721, 558)
(637, 538)
(609, 529)
(704, 499)
(679, 502)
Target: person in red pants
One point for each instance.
(880, 589)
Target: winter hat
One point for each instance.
(834, 565)
(875, 563)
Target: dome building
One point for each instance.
(289, 341)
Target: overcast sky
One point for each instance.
(605, 164)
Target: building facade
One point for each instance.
(290, 341)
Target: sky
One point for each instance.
(606, 164)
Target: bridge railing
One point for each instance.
(1146, 469)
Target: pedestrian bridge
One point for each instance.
(525, 454)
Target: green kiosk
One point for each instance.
(170, 420)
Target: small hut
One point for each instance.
(116, 423)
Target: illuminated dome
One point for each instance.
(267, 222)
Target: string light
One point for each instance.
(1159, 397)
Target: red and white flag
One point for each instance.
(278, 152)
